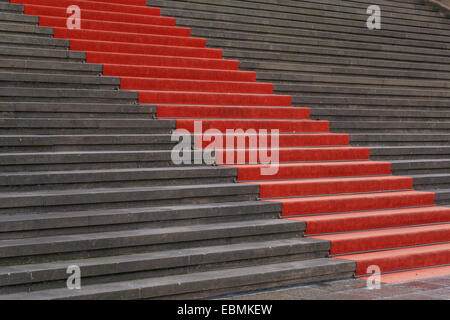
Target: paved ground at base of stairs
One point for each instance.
(425, 289)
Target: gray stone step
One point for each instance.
(25, 29)
(136, 266)
(64, 143)
(92, 221)
(5, 6)
(19, 64)
(48, 80)
(85, 126)
(206, 284)
(48, 110)
(84, 160)
(16, 17)
(391, 126)
(377, 114)
(59, 180)
(17, 94)
(363, 90)
(33, 41)
(108, 198)
(442, 196)
(432, 181)
(146, 240)
(14, 52)
(392, 139)
(409, 152)
(420, 166)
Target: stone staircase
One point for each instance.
(88, 178)
(389, 88)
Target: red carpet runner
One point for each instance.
(368, 215)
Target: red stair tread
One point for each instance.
(160, 61)
(158, 84)
(289, 188)
(232, 99)
(61, 22)
(239, 112)
(152, 72)
(345, 243)
(375, 219)
(283, 125)
(94, 5)
(129, 38)
(296, 154)
(135, 48)
(316, 170)
(355, 202)
(101, 15)
(401, 259)
(414, 275)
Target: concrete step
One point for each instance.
(442, 196)
(62, 143)
(107, 198)
(391, 139)
(138, 266)
(20, 94)
(390, 126)
(93, 221)
(42, 67)
(409, 152)
(432, 181)
(425, 165)
(53, 81)
(24, 29)
(208, 284)
(334, 114)
(14, 52)
(146, 240)
(59, 180)
(48, 110)
(84, 126)
(16, 17)
(33, 41)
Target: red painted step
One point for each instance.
(375, 219)
(414, 275)
(354, 202)
(284, 141)
(178, 73)
(230, 112)
(293, 154)
(282, 125)
(308, 187)
(95, 35)
(128, 2)
(316, 170)
(354, 242)
(48, 21)
(94, 5)
(231, 99)
(401, 259)
(161, 61)
(135, 48)
(158, 84)
(101, 15)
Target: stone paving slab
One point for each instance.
(354, 289)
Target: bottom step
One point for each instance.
(401, 259)
(205, 284)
